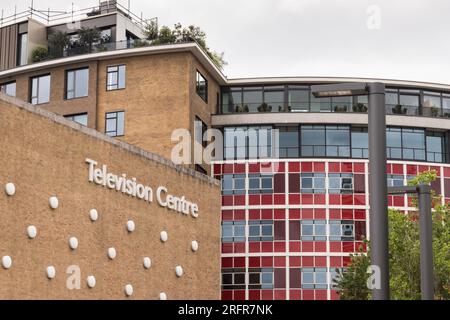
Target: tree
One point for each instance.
(89, 36)
(57, 42)
(39, 53)
(404, 254)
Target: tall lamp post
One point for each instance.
(379, 241)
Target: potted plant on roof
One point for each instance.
(398, 109)
(264, 107)
(89, 36)
(434, 111)
(239, 108)
(359, 107)
(58, 41)
(340, 108)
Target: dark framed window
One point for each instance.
(260, 183)
(313, 230)
(233, 184)
(340, 183)
(199, 130)
(314, 278)
(115, 77)
(40, 89)
(312, 183)
(288, 142)
(233, 278)
(360, 142)
(248, 142)
(260, 230)
(115, 123)
(261, 278)
(330, 141)
(342, 230)
(436, 146)
(405, 143)
(202, 86)
(22, 51)
(8, 88)
(77, 83)
(81, 118)
(233, 231)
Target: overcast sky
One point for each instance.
(396, 39)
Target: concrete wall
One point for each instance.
(44, 155)
(37, 35)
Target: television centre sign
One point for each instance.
(131, 187)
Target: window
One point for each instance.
(342, 104)
(312, 182)
(342, 230)
(77, 83)
(340, 183)
(261, 278)
(8, 88)
(233, 231)
(115, 123)
(273, 100)
(331, 141)
(313, 230)
(81, 118)
(288, 142)
(395, 180)
(248, 142)
(298, 99)
(260, 230)
(115, 77)
(199, 130)
(314, 278)
(40, 89)
(360, 142)
(432, 105)
(233, 184)
(233, 278)
(436, 151)
(202, 86)
(22, 51)
(320, 104)
(405, 143)
(260, 183)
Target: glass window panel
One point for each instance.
(298, 100)
(120, 123)
(122, 76)
(432, 101)
(409, 100)
(82, 83)
(44, 89)
(110, 125)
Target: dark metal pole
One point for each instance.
(426, 243)
(379, 241)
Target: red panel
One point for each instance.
(294, 167)
(347, 214)
(346, 261)
(390, 201)
(294, 247)
(267, 261)
(239, 200)
(348, 247)
(388, 168)
(335, 214)
(411, 169)
(319, 167)
(254, 262)
(253, 167)
(281, 167)
(227, 262)
(267, 294)
(279, 295)
(319, 199)
(295, 261)
(239, 295)
(397, 169)
(279, 261)
(437, 169)
(347, 199)
(346, 167)
(307, 199)
(268, 167)
(359, 167)
(294, 214)
(239, 247)
(217, 169)
(239, 262)
(227, 248)
(334, 295)
(266, 246)
(279, 214)
(399, 201)
(294, 199)
(295, 295)
(360, 214)
(336, 262)
(335, 247)
(308, 261)
(321, 294)
(447, 172)
(227, 200)
(227, 168)
(307, 246)
(279, 199)
(320, 214)
(227, 295)
(227, 215)
(266, 199)
(335, 199)
(424, 168)
(308, 295)
(239, 168)
(254, 215)
(307, 167)
(254, 295)
(334, 167)
(280, 246)
(359, 200)
(254, 247)
(320, 261)
(320, 246)
(266, 214)
(254, 199)
(307, 214)
(239, 215)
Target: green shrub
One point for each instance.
(39, 53)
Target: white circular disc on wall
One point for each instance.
(194, 245)
(31, 232)
(54, 203)
(10, 189)
(73, 243)
(91, 281)
(179, 271)
(130, 226)
(162, 296)
(128, 290)
(51, 272)
(93, 215)
(112, 253)
(147, 263)
(164, 236)
(6, 262)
